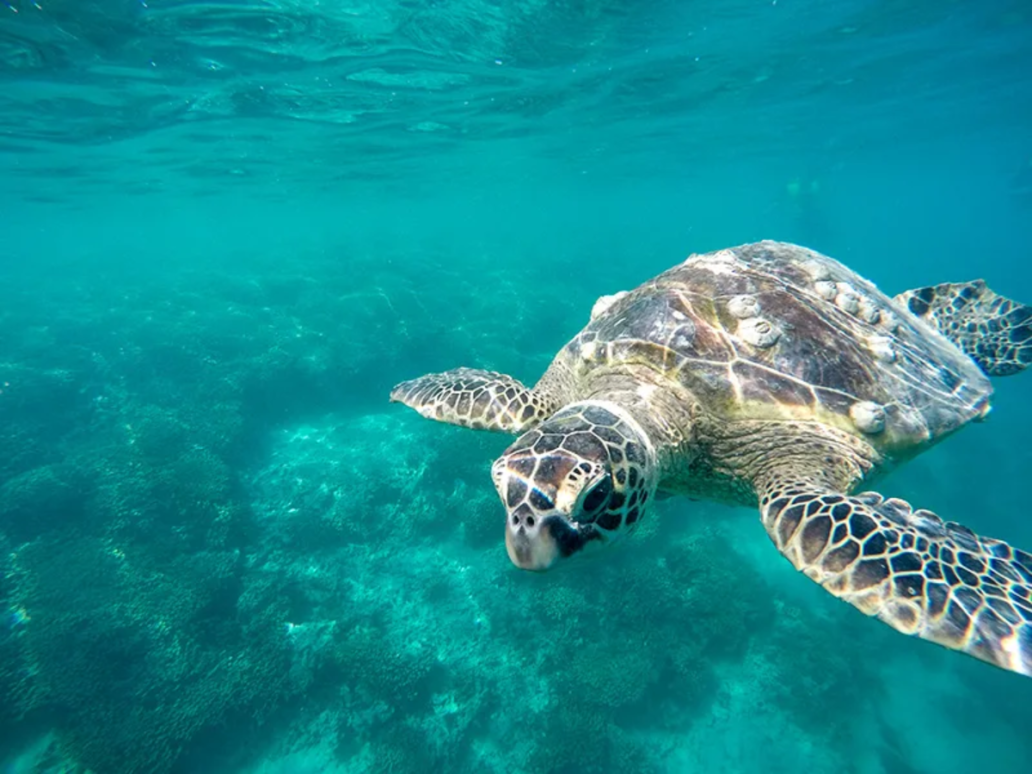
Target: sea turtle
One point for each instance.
(768, 374)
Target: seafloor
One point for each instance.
(224, 551)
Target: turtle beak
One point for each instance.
(538, 531)
(538, 549)
(533, 550)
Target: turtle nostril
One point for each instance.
(515, 520)
(530, 521)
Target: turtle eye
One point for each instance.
(599, 495)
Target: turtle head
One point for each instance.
(579, 480)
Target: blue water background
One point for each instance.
(226, 229)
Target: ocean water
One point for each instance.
(228, 228)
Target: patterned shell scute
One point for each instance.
(773, 330)
(658, 327)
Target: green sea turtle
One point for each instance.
(770, 375)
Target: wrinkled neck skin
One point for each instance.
(733, 462)
(664, 411)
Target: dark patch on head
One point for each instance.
(599, 416)
(840, 534)
(907, 541)
(621, 476)
(933, 570)
(567, 539)
(585, 444)
(550, 469)
(516, 492)
(599, 495)
(609, 520)
(547, 443)
(632, 516)
(617, 500)
(635, 453)
(609, 435)
(950, 576)
(540, 501)
(632, 478)
(527, 413)
(522, 466)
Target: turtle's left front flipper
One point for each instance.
(922, 576)
(992, 330)
(469, 397)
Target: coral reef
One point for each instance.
(218, 547)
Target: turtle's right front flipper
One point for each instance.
(469, 397)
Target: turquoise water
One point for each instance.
(227, 229)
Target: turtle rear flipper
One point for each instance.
(469, 397)
(922, 576)
(992, 330)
